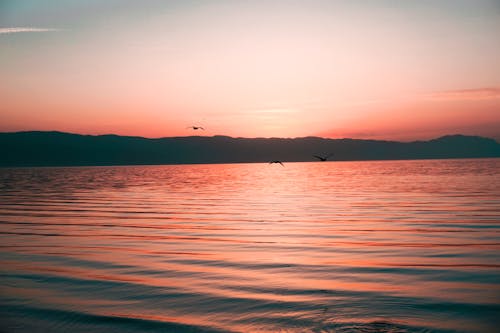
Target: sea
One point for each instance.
(371, 246)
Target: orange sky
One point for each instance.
(377, 69)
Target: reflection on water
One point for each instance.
(395, 246)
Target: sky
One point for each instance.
(374, 69)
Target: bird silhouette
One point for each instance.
(196, 127)
(323, 158)
(276, 162)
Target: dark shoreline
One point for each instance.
(38, 149)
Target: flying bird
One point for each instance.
(323, 158)
(276, 162)
(196, 127)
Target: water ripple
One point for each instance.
(403, 246)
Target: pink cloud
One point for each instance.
(467, 94)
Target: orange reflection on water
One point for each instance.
(258, 247)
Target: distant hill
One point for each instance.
(65, 149)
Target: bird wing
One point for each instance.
(318, 157)
(280, 163)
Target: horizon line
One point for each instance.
(232, 137)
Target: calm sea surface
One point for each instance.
(386, 246)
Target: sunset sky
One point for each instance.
(400, 70)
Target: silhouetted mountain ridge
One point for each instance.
(66, 149)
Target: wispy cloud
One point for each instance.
(24, 29)
(467, 94)
(274, 111)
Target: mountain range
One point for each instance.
(65, 149)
